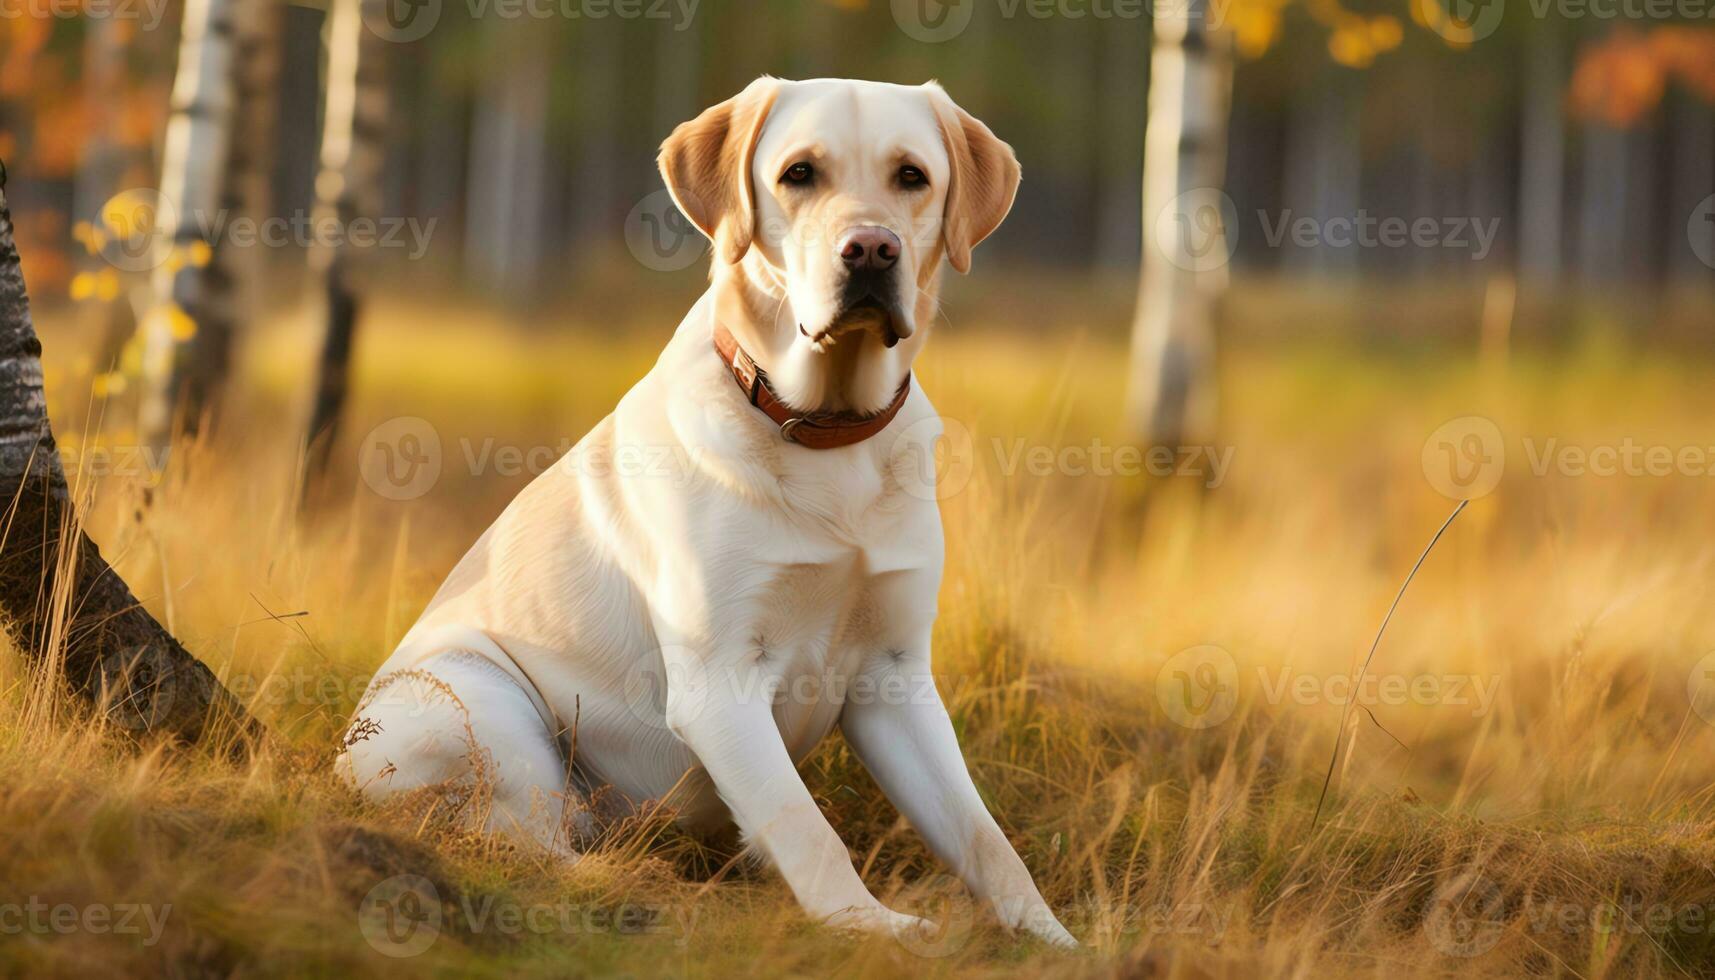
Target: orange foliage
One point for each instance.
(41, 236)
(21, 40)
(1623, 76)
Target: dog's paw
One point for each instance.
(1042, 924)
(880, 920)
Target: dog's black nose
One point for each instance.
(869, 247)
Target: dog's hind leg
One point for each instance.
(459, 720)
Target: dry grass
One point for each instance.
(1563, 827)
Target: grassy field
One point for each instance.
(1148, 674)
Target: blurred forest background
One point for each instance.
(510, 143)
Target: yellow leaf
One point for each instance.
(83, 285)
(200, 253)
(1350, 48)
(1386, 33)
(131, 213)
(109, 385)
(107, 285)
(183, 327)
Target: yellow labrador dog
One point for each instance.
(741, 556)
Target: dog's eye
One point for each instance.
(798, 173)
(910, 176)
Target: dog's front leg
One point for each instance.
(729, 723)
(898, 726)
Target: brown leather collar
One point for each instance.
(818, 430)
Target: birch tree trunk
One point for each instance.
(1172, 397)
(348, 187)
(235, 272)
(192, 303)
(68, 611)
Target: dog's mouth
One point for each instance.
(864, 313)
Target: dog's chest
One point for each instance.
(815, 625)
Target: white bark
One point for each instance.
(193, 164)
(348, 187)
(1172, 398)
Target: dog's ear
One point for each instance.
(984, 179)
(706, 164)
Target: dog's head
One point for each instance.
(835, 202)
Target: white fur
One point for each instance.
(708, 602)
